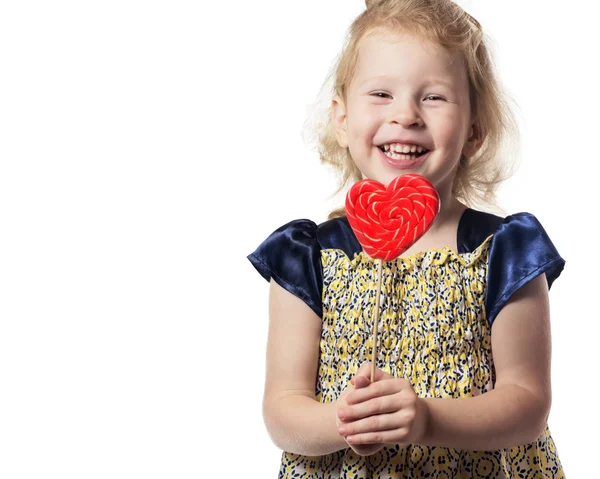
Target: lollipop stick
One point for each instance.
(376, 321)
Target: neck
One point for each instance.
(450, 209)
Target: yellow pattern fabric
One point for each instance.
(433, 331)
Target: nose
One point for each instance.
(406, 114)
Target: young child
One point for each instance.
(462, 385)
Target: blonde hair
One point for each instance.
(446, 24)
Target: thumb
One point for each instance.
(362, 378)
(360, 382)
(365, 371)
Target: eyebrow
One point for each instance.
(427, 81)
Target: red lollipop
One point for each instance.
(388, 221)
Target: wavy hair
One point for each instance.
(445, 24)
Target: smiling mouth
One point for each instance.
(403, 156)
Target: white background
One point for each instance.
(147, 147)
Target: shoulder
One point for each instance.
(290, 255)
(520, 251)
(302, 227)
(522, 236)
(335, 233)
(476, 226)
(338, 234)
(291, 242)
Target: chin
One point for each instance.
(389, 177)
(381, 178)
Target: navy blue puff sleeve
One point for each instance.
(520, 251)
(291, 255)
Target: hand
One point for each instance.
(387, 411)
(357, 382)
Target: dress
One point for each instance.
(437, 308)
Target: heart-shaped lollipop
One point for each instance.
(388, 221)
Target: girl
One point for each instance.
(463, 372)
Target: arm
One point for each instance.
(295, 420)
(516, 411)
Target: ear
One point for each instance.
(338, 119)
(474, 141)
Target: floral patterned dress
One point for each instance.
(437, 308)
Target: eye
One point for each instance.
(378, 93)
(434, 97)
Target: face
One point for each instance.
(409, 93)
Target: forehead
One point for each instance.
(403, 57)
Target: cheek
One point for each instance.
(450, 129)
(364, 125)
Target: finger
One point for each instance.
(373, 407)
(373, 390)
(380, 375)
(365, 370)
(361, 382)
(367, 449)
(392, 436)
(390, 385)
(374, 423)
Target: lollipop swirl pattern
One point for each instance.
(388, 221)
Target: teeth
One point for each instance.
(399, 148)
(397, 156)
